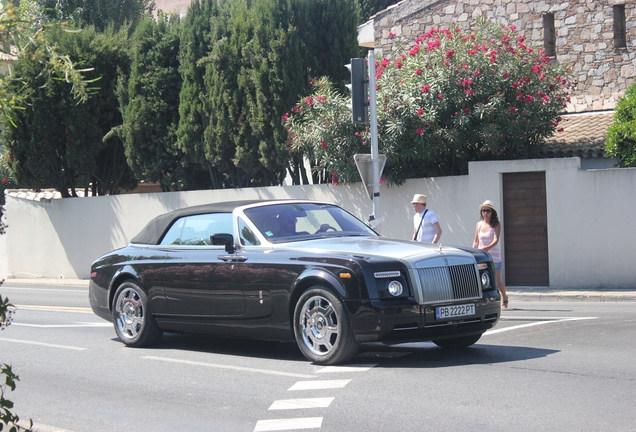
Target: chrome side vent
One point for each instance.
(454, 282)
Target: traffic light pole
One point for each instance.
(375, 159)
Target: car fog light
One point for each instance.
(485, 279)
(395, 288)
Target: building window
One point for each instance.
(620, 39)
(549, 35)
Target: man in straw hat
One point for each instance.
(425, 223)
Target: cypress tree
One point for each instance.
(150, 103)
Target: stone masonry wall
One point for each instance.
(584, 37)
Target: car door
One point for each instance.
(199, 279)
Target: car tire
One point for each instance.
(459, 342)
(322, 328)
(133, 320)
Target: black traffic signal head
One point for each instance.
(359, 88)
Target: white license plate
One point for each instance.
(444, 312)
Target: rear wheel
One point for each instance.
(322, 328)
(459, 342)
(134, 323)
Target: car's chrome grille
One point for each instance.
(449, 283)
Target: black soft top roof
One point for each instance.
(153, 232)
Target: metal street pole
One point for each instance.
(375, 161)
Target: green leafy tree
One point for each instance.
(329, 38)
(150, 103)
(58, 142)
(447, 99)
(620, 141)
(193, 115)
(98, 13)
(253, 74)
(22, 31)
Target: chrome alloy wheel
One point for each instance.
(129, 313)
(319, 323)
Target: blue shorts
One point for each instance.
(498, 266)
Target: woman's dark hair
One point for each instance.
(494, 220)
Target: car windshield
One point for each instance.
(281, 223)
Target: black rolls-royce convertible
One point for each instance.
(292, 270)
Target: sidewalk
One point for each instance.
(515, 294)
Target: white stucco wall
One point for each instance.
(591, 242)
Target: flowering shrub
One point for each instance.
(449, 98)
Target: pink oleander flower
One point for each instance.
(512, 109)
(323, 144)
(4, 181)
(419, 131)
(418, 71)
(420, 112)
(385, 62)
(392, 35)
(382, 179)
(426, 88)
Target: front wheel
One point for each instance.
(134, 324)
(459, 342)
(322, 328)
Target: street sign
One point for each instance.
(365, 168)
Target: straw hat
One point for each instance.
(488, 204)
(419, 199)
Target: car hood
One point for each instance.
(373, 246)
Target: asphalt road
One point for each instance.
(547, 366)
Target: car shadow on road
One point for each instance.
(230, 346)
(428, 355)
(406, 355)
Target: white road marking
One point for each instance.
(55, 308)
(105, 324)
(501, 330)
(301, 403)
(288, 424)
(43, 344)
(319, 385)
(337, 369)
(7, 288)
(522, 318)
(222, 366)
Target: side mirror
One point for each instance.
(223, 239)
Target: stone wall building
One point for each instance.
(596, 38)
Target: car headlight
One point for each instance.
(485, 279)
(395, 288)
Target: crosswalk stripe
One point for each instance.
(319, 385)
(288, 424)
(301, 403)
(336, 369)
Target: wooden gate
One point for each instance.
(525, 226)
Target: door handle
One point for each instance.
(237, 258)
